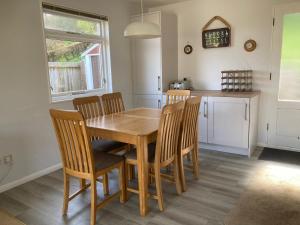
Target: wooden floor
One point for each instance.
(223, 178)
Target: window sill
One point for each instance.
(67, 98)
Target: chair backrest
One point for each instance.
(90, 107)
(112, 103)
(174, 96)
(74, 143)
(168, 133)
(190, 123)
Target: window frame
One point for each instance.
(103, 40)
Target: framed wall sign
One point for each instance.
(216, 38)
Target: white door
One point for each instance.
(148, 101)
(228, 121)
(202, 120)
(147, 62)
(284, 123)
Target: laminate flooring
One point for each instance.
(223, 177)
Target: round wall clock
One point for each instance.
(188, 49)
(250, 45)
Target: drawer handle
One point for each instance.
(205, 109)
(158, 79)
(246, 111)
(159, 104)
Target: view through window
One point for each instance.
(289, 85)
(77, 52)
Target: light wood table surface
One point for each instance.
(138, 127)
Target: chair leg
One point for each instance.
(66, 193)
(159, 190)
(105, 184)
(195, 162)
(123, 183)
(176, 176)
(82, 183)
(188, 156)
(181, 172)
(151, 179)
(93, 201)
(130, 171)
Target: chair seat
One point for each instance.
(105, 160)
(106, 145)
(131, 155)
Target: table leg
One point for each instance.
(142, 166)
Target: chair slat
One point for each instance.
(112, 103)
(168, 133)
(174, 96)
(90, 107)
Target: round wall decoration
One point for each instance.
(250, 45)
(188, 49)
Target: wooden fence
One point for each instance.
(67, 77)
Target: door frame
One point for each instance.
(274, 104)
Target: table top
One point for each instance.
(138, 122)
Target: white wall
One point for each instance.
(25, 128)
(248, 19)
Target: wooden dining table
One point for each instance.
(137, 127)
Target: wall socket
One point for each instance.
(7, 160)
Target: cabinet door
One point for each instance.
(147, 101)
(228, 121)
(202, 120)
(147, 62)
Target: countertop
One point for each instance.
(218, 93)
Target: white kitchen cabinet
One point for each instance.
(202, 120)
(155, 61)
(228, 121)
(148, 101)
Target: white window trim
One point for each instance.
(63, 35)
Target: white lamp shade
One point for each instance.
(142, 30)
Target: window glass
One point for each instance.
(74, 66)
(78, 55)
(69, 24)
(289, 85)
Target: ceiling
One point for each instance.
(152, 3)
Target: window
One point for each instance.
(78, 52)
(289, 85)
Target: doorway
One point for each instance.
(284, 126)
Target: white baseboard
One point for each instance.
(30, 177)
(278, 147)
(221, 148)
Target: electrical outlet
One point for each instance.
(8, 160)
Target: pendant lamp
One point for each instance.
(142, 29)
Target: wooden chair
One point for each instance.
(112, 103)
(188, 140)
(164, 152)
(80, 161)
(174, 96)
(91, 107)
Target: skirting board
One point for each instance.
(220, 148)
(278, 147)
(30, 177)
